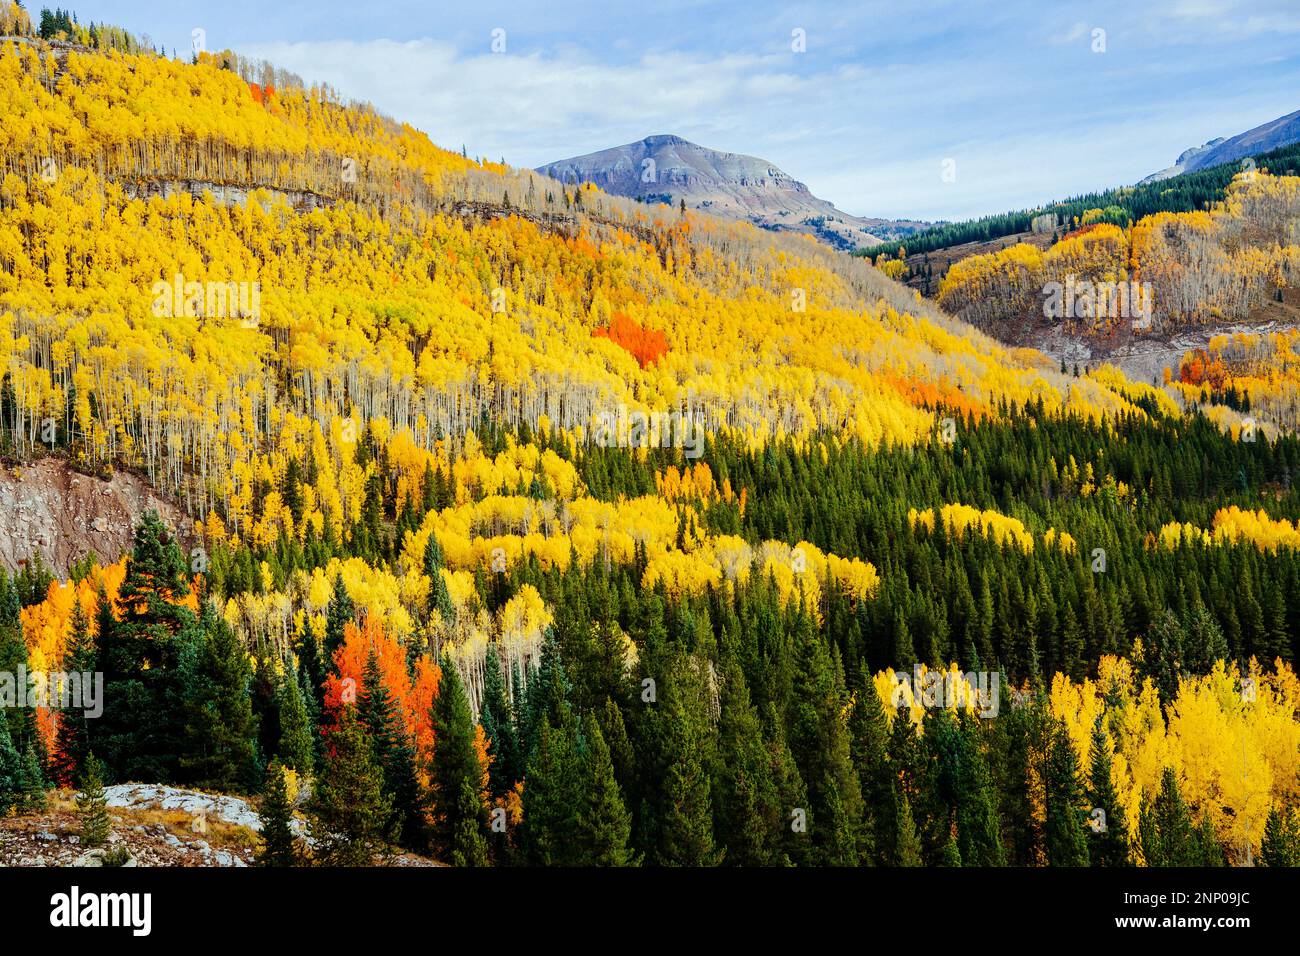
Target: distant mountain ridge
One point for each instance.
(667, 168)
(1274, 134)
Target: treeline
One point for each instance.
(1123, 206)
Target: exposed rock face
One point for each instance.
(671, 169)
(1274, 134)
(49, 509)
(157, 825)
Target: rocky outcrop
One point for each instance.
(48, 508)
(1264, 138)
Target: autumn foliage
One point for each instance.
(645, 345)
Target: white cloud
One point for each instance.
(866, 127)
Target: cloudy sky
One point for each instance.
(1031, 100)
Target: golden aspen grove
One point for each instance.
(519, 523)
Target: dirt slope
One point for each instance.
(47, 508)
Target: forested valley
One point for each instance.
(525, 526)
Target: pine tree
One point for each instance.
(350, 816)
(907, 848)
(547, 695)
(820, 744)
(979, 839)
(498, 727)
(92, 804)
(550, 798)
(793, 848)
(279, 844)
(868, 730)
(1167, 834)
(313, 670)
(73, 740)
(219, 725)
(746, 805)
(456, 774)
(470, 847)
(340, 613)
(1281, 843)
(395, 754)
(297, 745)
(683, 810)
(1064, 834)
(602, 825)
(146, 653)
(32, 783)
(1204, 642)
(1110, 838)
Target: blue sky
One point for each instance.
(1011, 91)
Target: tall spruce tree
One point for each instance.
(338, 615)
(820, 744)
(297, 745)
(747, 808)
(683, 809)
(868, 729)
(979, 837)
(219, 728)
(1065, 834)
(279, 844)
(350, 817)
(495, 715)
(394, 752)
(456, 773)
(146, 652)
(551, 797)
(1109, 841)
(1166, 831)
(602, 825)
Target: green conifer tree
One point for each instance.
(455, 774)
(1281, 843)
(92, 804)
(1065, 835)
(297, 746)
(350, 818)
(602, 825)
(219, 726)
(1110, 832)
(279, 844)
(394, 752)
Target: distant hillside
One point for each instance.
(670, 169)
(1194, 190)
(1276, 134)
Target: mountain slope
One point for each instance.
(1274, 134)
(421, 294)
(670, 169)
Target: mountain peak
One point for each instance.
(666, 139)
(665, 168)
(1274, 134)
